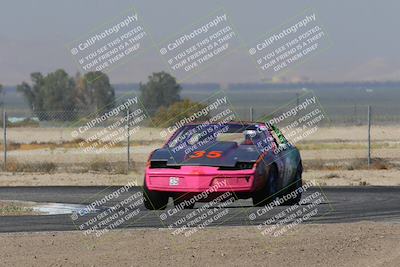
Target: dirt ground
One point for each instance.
(140, 154)
(328, 143)
(66, 179)
(344, 133)
(354, 177)
(331, 156)
(356, 244)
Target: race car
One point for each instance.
(250, 160)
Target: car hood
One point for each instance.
(231, 153)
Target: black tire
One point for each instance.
(297, 183)
(154, 200)
(268, 193)
(179, 199)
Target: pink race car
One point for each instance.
(203, 161)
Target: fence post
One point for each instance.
(5, 139)
(128, 139)
(369, 136)
(251, 114)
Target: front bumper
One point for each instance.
(199, 179)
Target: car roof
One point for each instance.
(248, 123)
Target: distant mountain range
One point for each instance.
(210, 87)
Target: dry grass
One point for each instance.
(331, 176)
(346, 145)
(13, 146)
(54, 150)
(96, 165)
(105, 165)
(102, 165)
(16, 166)
(348, 164)
(8, 208)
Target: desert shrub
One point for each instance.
(350, 164)
(28, 122)
(120, 168)
(45, 167)
(100, 165)
(15, 166)
(331, 175)
(179, 110)
(380, 164)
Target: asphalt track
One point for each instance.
(340, 205)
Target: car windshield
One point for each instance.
(201, 134)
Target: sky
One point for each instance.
(362, 35)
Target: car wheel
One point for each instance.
(294, 186)
(268, 193)
(178, 200)
(154, 200)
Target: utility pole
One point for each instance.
(5, 139)
(128, 139)
(369, 136)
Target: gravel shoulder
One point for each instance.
(66, 179)
(356, 244)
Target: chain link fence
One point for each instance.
(45, 140)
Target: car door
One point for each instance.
(288, 157)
